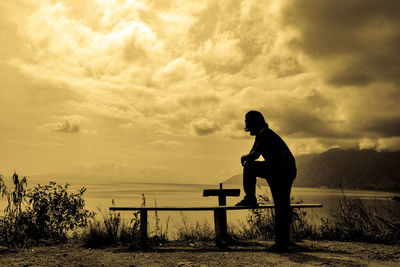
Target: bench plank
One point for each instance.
(172, 208)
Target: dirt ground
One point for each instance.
(308, 253)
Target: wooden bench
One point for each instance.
(219, 220)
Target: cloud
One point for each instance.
(204, 127)
(298, 121)
(176, 71)
(308, 146)
(306, 113)
(372, 110)
(185, 69)
(166, 143)
(285, 66)
(386, 126)
(126, 126)
(367, 143)
(70, 124)
(389, 144)
(223, 53)
(87, 131)
(354, 42)
(104, 167)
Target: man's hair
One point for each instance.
(255, 118)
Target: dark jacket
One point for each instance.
(273, 149)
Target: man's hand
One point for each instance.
(252, 156)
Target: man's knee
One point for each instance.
(248, 166)
(256, 167)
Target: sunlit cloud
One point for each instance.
(69, 124)
(367, 143)
(165, 72)
(165, 143)
(354, 43)
(102, 167)
(389, 144)
(205, 127)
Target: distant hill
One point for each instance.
(352, 168)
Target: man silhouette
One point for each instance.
(278, 168)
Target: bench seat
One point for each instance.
(173, 208)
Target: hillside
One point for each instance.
(352, 168)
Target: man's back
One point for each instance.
(273, 149)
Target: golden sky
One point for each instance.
(157, 90)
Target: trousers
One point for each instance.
(280, 180)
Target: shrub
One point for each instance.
(54, 212)
(16, 231)
(44, 213)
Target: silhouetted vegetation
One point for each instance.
(48, 214)
(112, 230)
(194, 232)
(160, 235)
(260, 223)
(355, 221)
(42, 214)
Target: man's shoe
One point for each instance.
(247, 201)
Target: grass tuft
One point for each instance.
(194, 232)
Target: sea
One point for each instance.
(99, 196)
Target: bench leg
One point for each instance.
(143, 228)
(221, 233)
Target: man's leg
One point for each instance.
(280, 189)
(251, 171)
(249, 180)
(282, 214)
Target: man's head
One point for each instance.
(254, 122)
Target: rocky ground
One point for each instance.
(308, 253)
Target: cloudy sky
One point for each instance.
(157, 90)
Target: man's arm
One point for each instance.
(256, 150)
(252, 156)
